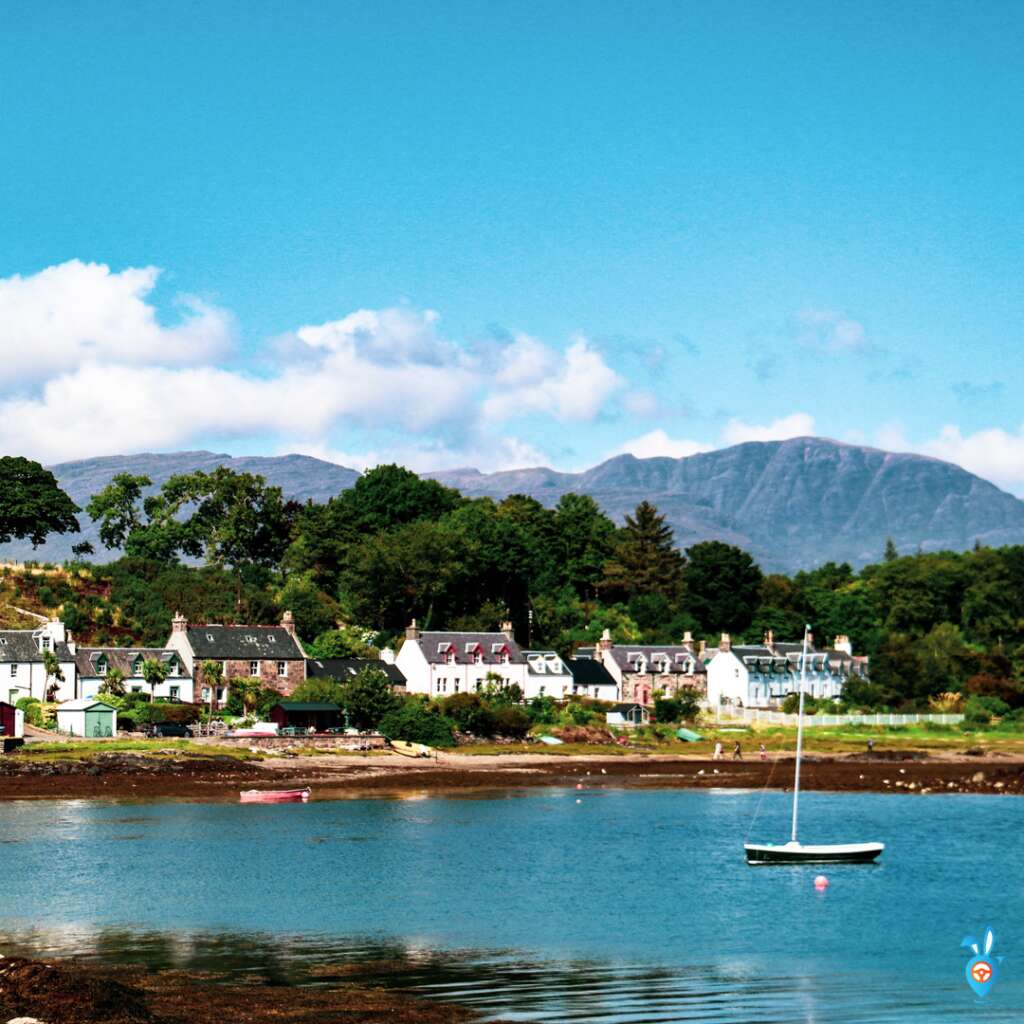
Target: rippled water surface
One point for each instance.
(625, 907)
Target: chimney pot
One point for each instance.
(412, 631)
(179, 624)
(506, 628)
(726, 642)
(288, 623)
(688, 637)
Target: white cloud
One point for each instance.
(91, 372)
(76, 312)
(533, 378)
(797, 424)
(658, 443)
(993, 454)
(830, 331)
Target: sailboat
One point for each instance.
(795, 852)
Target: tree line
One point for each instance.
(225, 546)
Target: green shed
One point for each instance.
(89, 718)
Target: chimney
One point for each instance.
(701, 648)
(288, 623)
(726, 643)
(506, 628)
(179, 624)
(810, 641)
(842, 643)
(412, 631)
(605, 643)
(687, 637)
(769, 638)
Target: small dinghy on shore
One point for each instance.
(273, 796)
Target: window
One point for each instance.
(14, 671)
(101, 666)
(220, 694)
(172, 666)
(455, 688)
(206, 693)
(137, 667)
(478, 658)
(136, 689)
(271, 638)
(175, 692)
(44, 643)
(209, 636)
(254, 669)
(282, 668)
(3, 641)
(442, 685)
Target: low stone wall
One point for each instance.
(370, 741)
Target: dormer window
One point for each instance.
(209, 636)
(172, 666)
(44, 643)
(101, 665)
(271, 639)
(137, 667)
(3, 641)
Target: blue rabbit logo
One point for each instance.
(982, 968)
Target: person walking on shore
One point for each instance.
(719, 753)
(737, 752)
(764, 753)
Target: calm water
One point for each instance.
(627, 907)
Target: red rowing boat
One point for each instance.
(273, 796)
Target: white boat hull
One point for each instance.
(797, 853)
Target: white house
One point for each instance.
(22, 673)
(95, 663)
(763, 675)
(89, 718)
(442, 663)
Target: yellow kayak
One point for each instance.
(411, 749)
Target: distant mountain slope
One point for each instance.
(793, 504)
(298, 476)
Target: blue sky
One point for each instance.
(457, 233)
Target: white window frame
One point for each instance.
(282, 669)
(254, 670)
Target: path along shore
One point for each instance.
(178, 775)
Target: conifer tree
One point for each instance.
(645, 560)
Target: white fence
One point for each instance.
(779, 718)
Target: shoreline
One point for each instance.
(128, 776)
(64, 991)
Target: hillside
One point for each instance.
(793, 504)
(298, 476)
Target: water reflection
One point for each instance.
(502, 984)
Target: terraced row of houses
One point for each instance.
(47, 664)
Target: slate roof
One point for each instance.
(540, 663)
(437, 645)
(653, 654)
(20, 645)
(587, 672)
(86, 659)
(345, 668)
(241, 643)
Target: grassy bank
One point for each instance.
(79, 749)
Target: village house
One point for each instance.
(442, 663)
(641, 670)
(22, 670)
(271, 654)
(94, 665)
(591, 679)
(344, 669)
(763, 675)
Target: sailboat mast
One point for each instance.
(800, 732)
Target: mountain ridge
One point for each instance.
(792, 504)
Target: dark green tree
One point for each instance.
(723, 586)
(645, 560)
(584, 538)
(368, 698)
(32, 506)
(891, 554)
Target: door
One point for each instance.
(97, 723)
